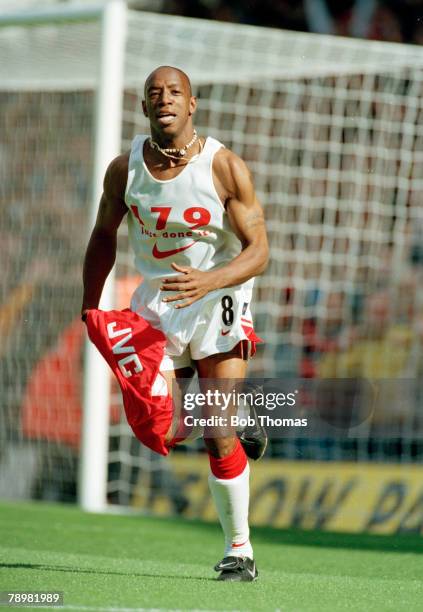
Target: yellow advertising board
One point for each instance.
(354, 497)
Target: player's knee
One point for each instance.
(220, 447)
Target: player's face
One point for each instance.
(168, 103)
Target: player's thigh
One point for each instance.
(178, 376)
(177, 381)
(223, 366)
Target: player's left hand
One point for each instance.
(191, 285)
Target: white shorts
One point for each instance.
(214, 324)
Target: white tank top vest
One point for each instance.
(179, 220)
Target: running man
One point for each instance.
(199, 238)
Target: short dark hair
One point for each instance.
(182, 74)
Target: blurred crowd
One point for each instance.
(389, 20)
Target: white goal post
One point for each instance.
(332, 130)
(107, 76)
(108, 134)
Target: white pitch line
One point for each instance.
(117, 609)
(107, 609)
(100, 609)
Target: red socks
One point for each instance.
(230, 466)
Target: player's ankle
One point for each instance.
(241, 549)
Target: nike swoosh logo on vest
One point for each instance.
(162, 254)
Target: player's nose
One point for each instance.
(165, 98)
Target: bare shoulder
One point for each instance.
(232, 172)
(116, 177)
(228, 163)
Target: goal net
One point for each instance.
(331, 129)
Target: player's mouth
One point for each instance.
(165, 118)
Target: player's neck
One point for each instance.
(173, 141)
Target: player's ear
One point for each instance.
(192, 105)
(144, 108)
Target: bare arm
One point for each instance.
(101, 251)
(245, 214)
(247, 220)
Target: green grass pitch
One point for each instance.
(127, 563)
